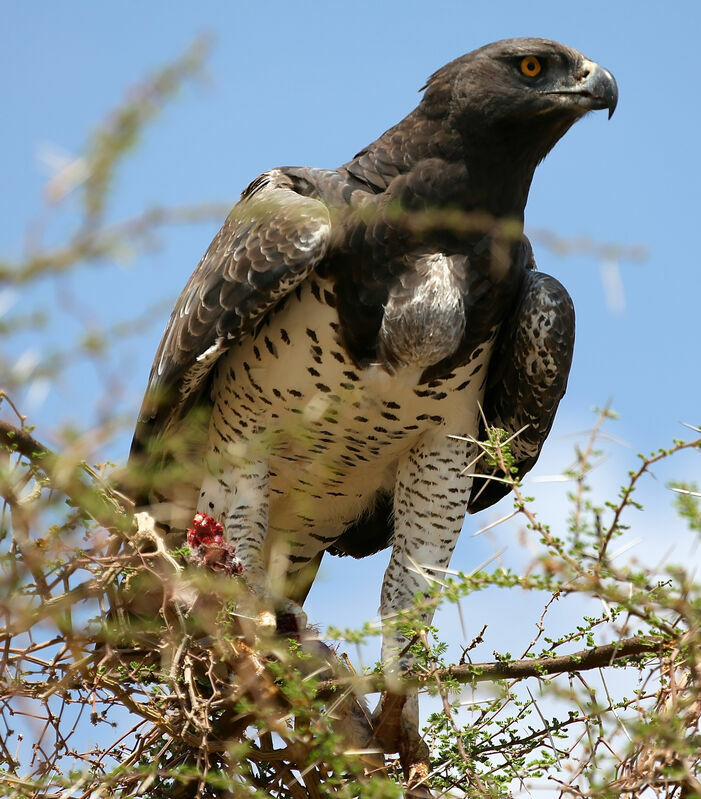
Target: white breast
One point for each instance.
(424, 318)
(332, 433)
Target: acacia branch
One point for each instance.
(582, 660)
(100, 502)
(102, 506)
(17, 440)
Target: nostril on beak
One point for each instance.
(586, 67)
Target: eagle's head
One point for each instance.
(519, 80)
(511, 101)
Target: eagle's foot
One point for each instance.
(271, 614)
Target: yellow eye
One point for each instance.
(530, 66)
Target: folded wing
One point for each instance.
(272, 239)
(527, 378)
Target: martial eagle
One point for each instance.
(349, 331)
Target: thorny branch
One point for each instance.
(199, 708)
(202, 687)
(77, 480)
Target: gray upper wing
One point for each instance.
(527, 378)
(272, 239)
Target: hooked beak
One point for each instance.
(593, 88)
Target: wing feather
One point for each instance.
(272, 239)
(527, 378)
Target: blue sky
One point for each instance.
(312, 83)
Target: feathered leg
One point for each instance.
(429, 508)
(240, 498)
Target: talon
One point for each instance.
(287, 625)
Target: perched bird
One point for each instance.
(350, 332)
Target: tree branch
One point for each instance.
(17, 440)
(103, 504)
(583, 660)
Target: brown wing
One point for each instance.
(527, 378)
(273, 238)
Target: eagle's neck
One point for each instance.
(502, 158)
(489, 171)
(400, 150)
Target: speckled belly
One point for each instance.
(331, 433)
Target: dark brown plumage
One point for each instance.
(331, 354)
(473, 143)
